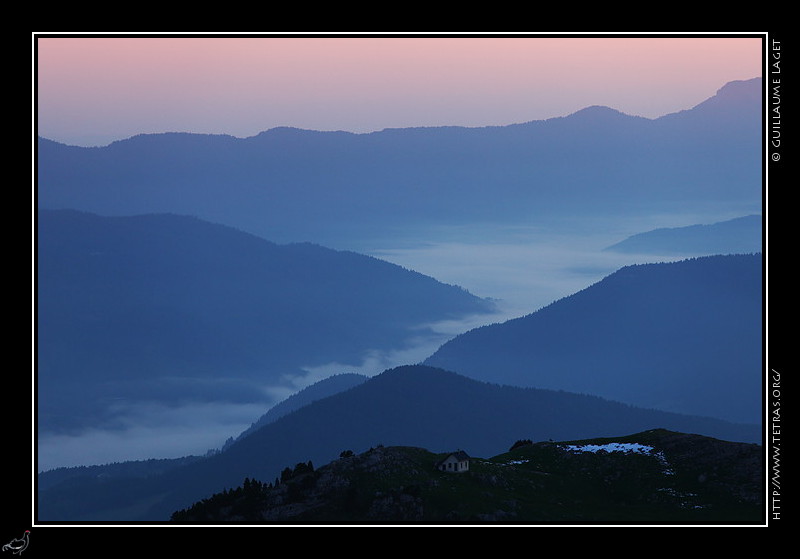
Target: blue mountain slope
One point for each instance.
(735, 236)
(683, 337)
(168, 308)
(322, 389)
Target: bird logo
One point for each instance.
(18, 545)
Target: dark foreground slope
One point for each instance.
(407, 406)
(166, 308)
(683, 337)
(657, 476)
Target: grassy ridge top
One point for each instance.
(652, 477)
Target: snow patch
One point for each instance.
(627, 448)
(612, 447)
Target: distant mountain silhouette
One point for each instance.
(168, 308)
(735, 236)
(287, 184)
(736, 96)
(683, 337)
(409, 405)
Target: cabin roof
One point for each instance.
(458, 455)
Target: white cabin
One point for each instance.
(455, 462)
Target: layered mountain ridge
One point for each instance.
(409, 405)
(139, 303)
(169, 309)
(288, 184)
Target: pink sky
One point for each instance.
(95, 90)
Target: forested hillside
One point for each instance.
(683, 336)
